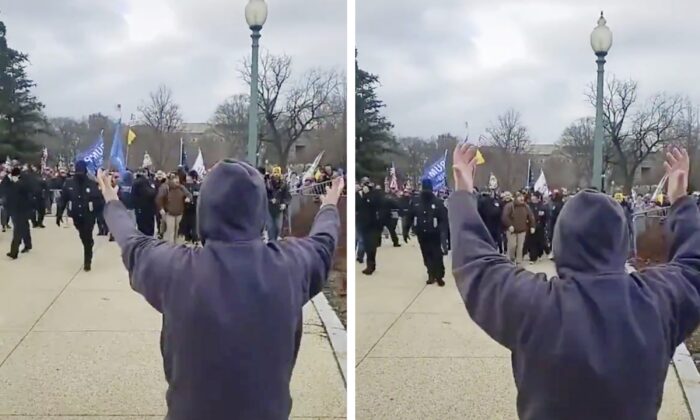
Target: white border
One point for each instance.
(350, 208)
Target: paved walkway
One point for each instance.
(84, 345)
(420, 356)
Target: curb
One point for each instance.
(686, 372)
(336, 332)
(689, 379)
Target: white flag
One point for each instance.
(199, 164)
(541, 185)
(147, 162)
(312, 170)
(493, 182)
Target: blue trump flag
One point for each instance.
(436, 172)
(116, 155)
(94, 156)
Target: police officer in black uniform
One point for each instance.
(537, 242)
(427, 216)
(189, 217)
(490, 210)
(82, 196)
(368, 222)
(143, 195)
(19, 197)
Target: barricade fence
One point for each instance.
(645, 227)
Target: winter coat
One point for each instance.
(171, 198)
(232, 309)
(519, 216)
(594, 342)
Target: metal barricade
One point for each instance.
(644, 221)
(313, 189)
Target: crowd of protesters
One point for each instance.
(521, 223)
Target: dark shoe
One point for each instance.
(441, 282)
(430, 281)
(26, 249)
(369, 270)
(111, 238)
(41, 226)
(360, 260)
(397, 245)
(87, 266)
(11, 255)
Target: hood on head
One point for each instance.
(591, 235)
(232, 203)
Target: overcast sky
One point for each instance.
(87, 56)
(447, 62)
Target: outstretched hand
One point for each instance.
(677, 167)
(333, 193)
(464, 167)
(105, 182)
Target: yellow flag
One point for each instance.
(479, 158)
(130, 137)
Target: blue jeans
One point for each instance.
(274, 226)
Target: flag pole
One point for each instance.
(180, 151)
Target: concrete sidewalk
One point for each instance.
(420, 356)
(84, 345)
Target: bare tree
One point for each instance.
(291, 108)
(510, 140)
(576, 144)
(230, 123)
(636, 134)
(509, 134)
(164, 117)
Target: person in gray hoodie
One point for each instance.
(594, 342)
(232, 309)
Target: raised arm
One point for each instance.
(499, 297)
(149, 261)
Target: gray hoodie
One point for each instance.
(232, 310)
(594, 342)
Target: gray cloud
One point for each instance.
(87, 56)
(443, 64)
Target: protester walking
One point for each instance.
(232, 309)
(278, 197)
(171, 201)
(518, 220)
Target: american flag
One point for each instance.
(44, 158)
(393, 183)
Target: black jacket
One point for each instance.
(368, 206)
(143, 194)
(19, 196)
(82, 197)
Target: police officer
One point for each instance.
(143, 195)
(537, 242)
(20, 202)
(427, 216)
(82, 197)
(189, 217)
(368, 222)
(490, 210)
